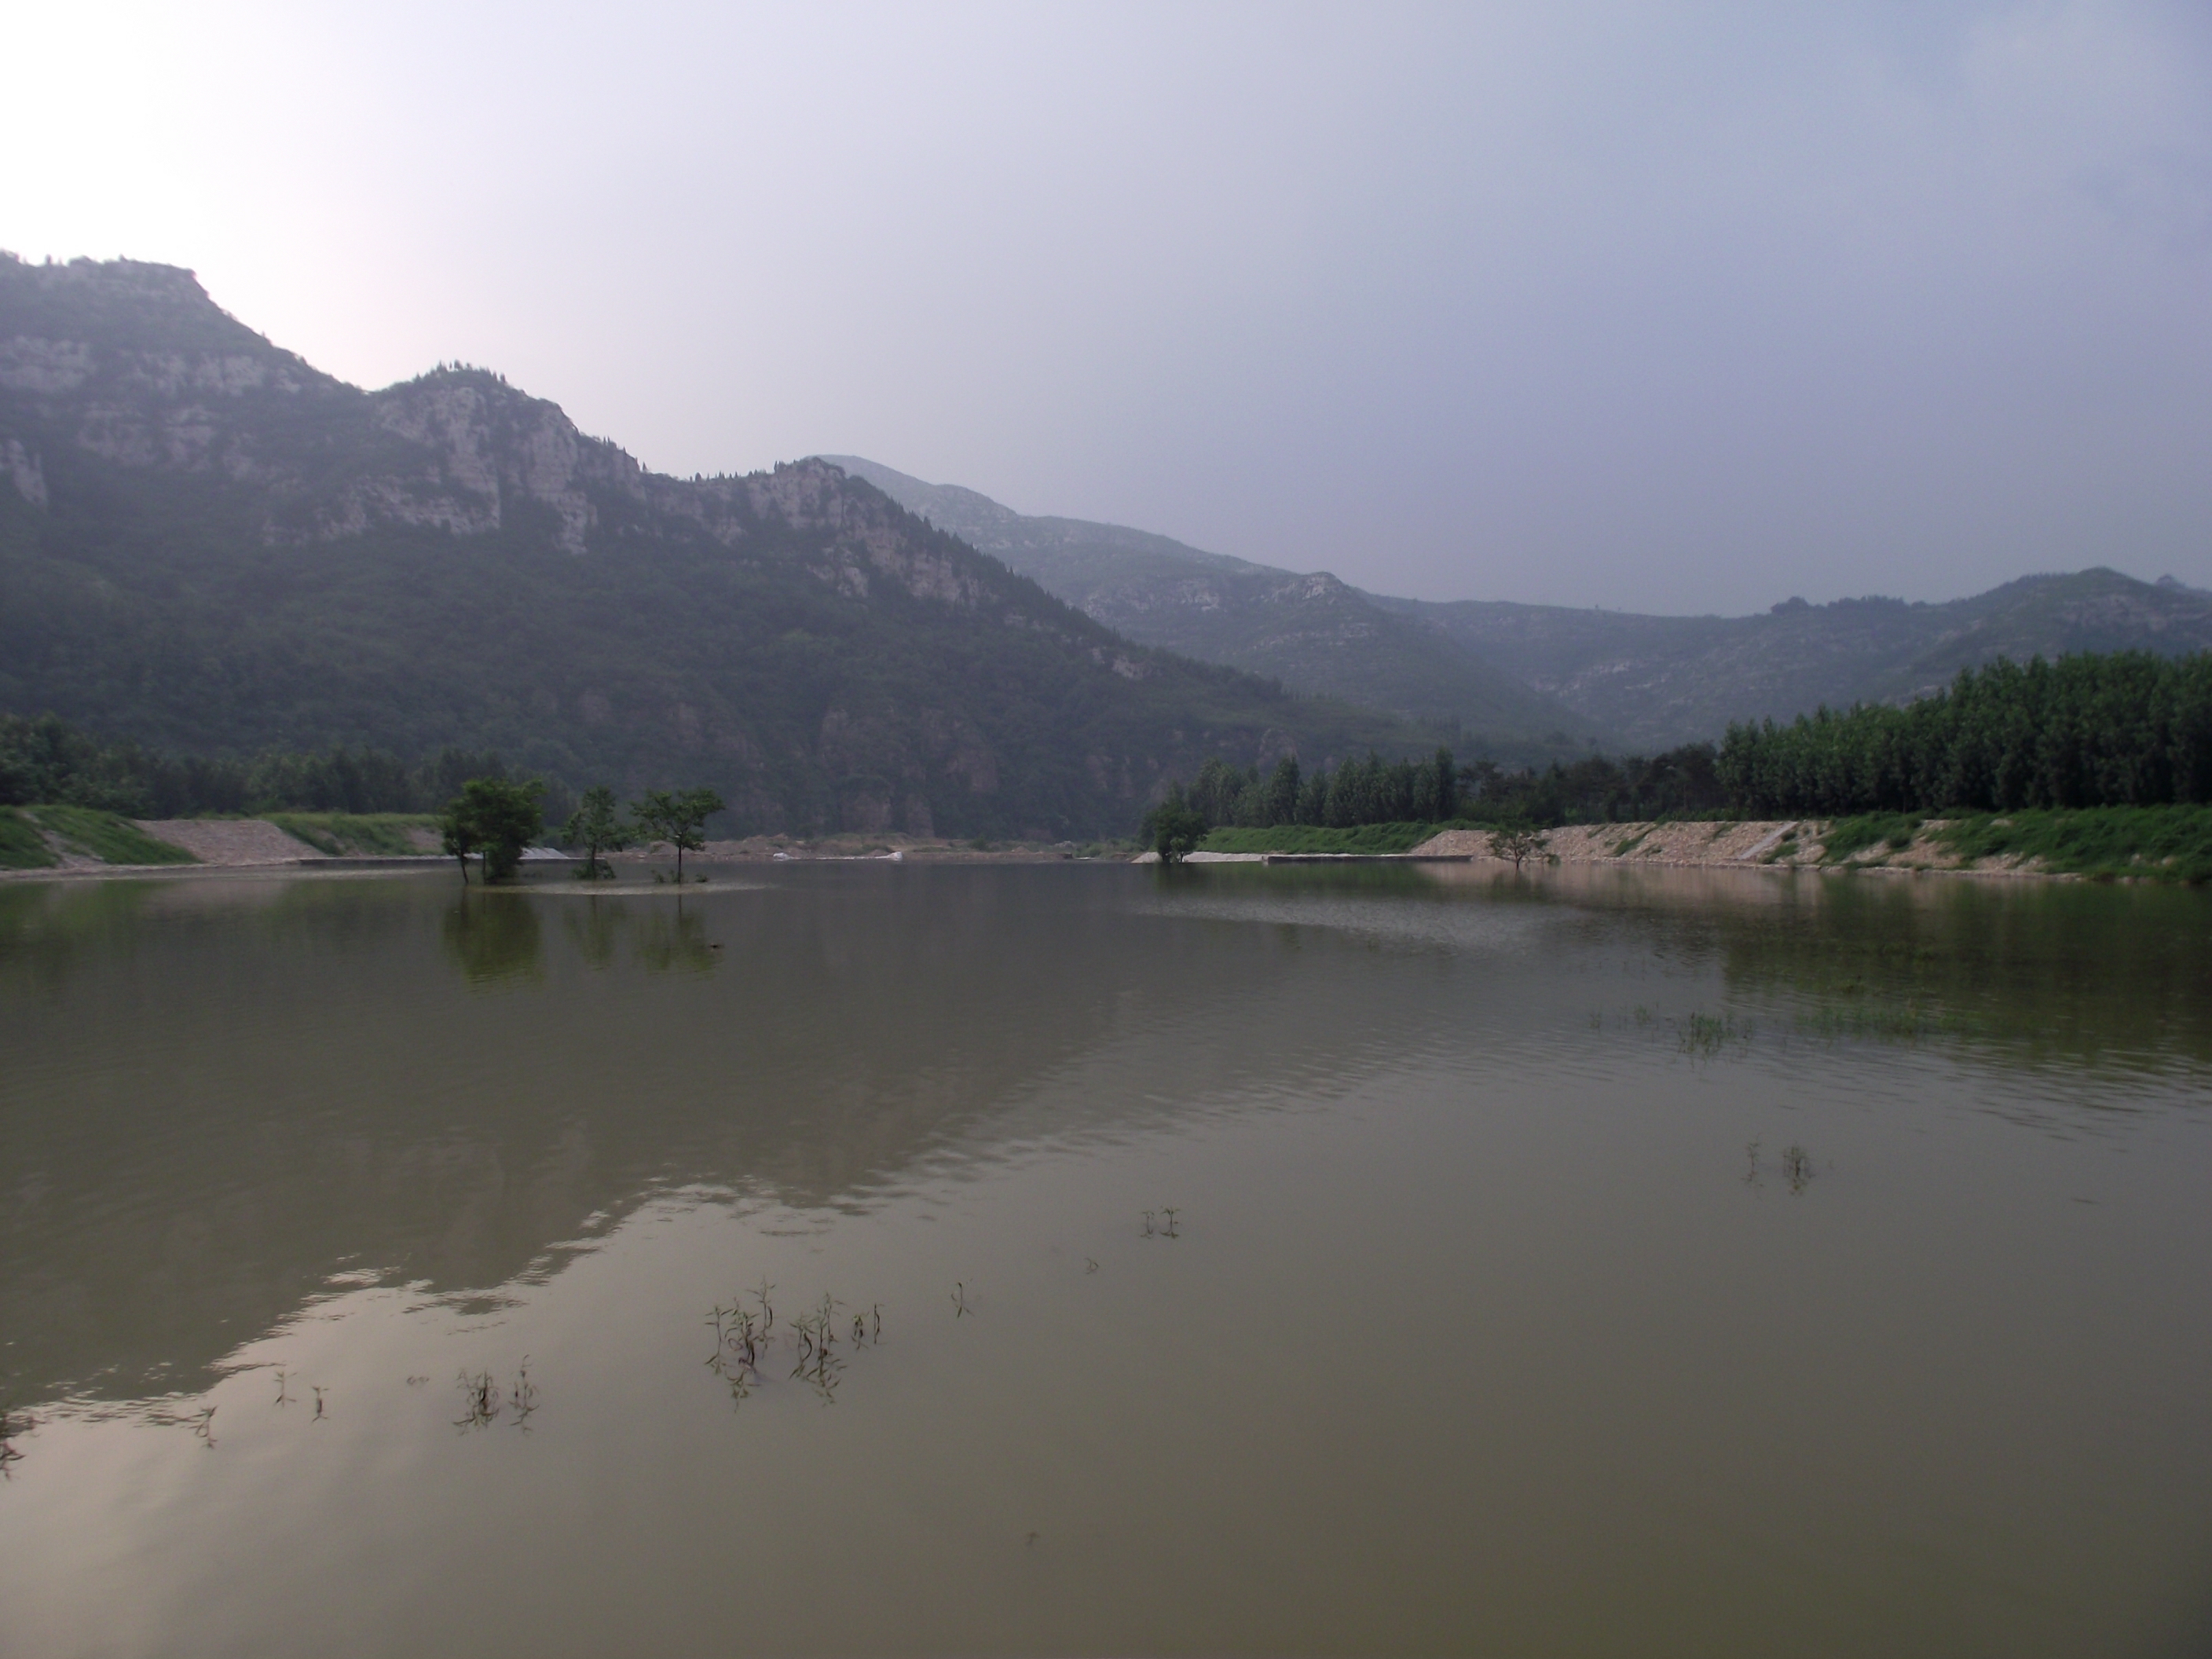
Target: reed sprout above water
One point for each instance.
(14, 1424)
(745, 1338)
(1796, 1167)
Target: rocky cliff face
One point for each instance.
(457, 450)
(206, 543)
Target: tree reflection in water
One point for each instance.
(593, 927)
(495, 937)
(660, 941)
(664, 941)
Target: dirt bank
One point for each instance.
(1785, 843)
(229, 841)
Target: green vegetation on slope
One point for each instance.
(2166, 843)
(377, 834)
(22, 846)
(1849, 837)
(106, 837)
(2170, 843)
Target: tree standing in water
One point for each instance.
(456, 833)
(597, 826)
(497, 817)
(1517, 842)
(678, 818)
(1175, 827)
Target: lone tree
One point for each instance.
(677, 818)
(1517, 840)
(1175, 827)
(597, 826)
(494, 816)
(457, 831)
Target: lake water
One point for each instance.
(1252, 1260)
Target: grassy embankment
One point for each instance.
(379, 834)
(21, 847)
(103, 835)
(2165, 843)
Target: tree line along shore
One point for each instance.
(2096, 764)
(2171, 844)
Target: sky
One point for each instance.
(1672, 307)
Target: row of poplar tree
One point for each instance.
(2120, 729)
(1373, 791)
(46, 759)
(1593, 787)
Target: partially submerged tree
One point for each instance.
(597, 826)
(456, 833)
(678, 818)
(1175, 827)
(497, 817)
(1517, 842)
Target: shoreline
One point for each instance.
(1785, 844)
(255, 847)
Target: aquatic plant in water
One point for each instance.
(743, 1338)
(14, 1424)
(1704, 1035)
(481, 1402)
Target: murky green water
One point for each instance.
(1274, 1261)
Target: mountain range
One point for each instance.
(1311, 631)
(1570, 678)
(209, 546)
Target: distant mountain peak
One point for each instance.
(210, 546)
(1312, 631)
(949, 506)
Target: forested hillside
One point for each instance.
(1573, 678)
(1661, 680)
(1311, 631)
(2127, 729)
(209, 547)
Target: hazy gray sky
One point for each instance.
(1666, 306)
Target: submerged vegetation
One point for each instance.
(746, 1338)
(1704, 1035)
